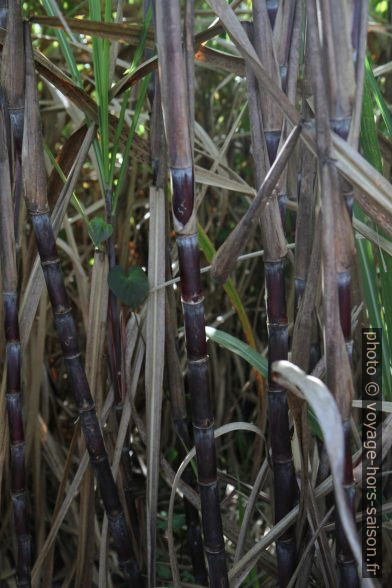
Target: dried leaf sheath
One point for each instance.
(175, 111)
(12, 71)
(12, 83)
(34, 180)
(19, 491)
(336, 283)
(337, 30)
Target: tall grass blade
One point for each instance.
(378, 309)
(36, 281)
(238, 347)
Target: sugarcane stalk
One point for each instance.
(19, 492)
(271, 116)
(287, 38)
(306, 189)
(177, 401)
(12, 82)
(341, 29)
(35, 188)
(174, 375)
(175, 112)
(334, 107)
(12, 72)
(285, 33)
(272, 7)
(285, 490)
(266, 122)
(359, 20)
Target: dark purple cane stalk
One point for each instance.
(177, 401)
(19, 493)
(263, 43)
(34, 179)
(175, 112)
(174, 375)
(284, 38)
(272, 7)
(266, 123)
(285, 490)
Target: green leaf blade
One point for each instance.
(99, 230)
(131, 287)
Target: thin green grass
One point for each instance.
(376, 278)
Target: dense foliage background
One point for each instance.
(96, 66)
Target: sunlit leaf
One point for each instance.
(99, 230)
(240, 348)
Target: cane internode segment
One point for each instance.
(13, 71)
(66, 330)
(13, 396)
(34, 178)
(266, 132)
(175, 107)
(183, 199)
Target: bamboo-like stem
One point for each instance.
(34, 179)
(12, 72)
(337, 252)
(286, 34)
(177, 401)
(339, 30)
(174, 375)
(285, 490)
(19, 492)
(12, 82)
(287, 40)
(304, 226)
(272, 7)
(271, 116)
(175, 111)
(266, 124)
(175, 379)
